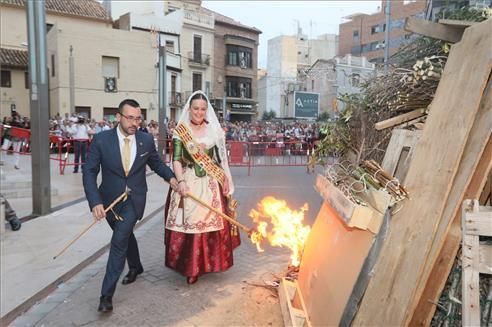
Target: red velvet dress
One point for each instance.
(197, 254)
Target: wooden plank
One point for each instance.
(403, 118)
(470, 290)
(455, 22)
(292, 316)
(393, 161)
(365, 274)
(443, 264)
(391, 292)
(438, 31)
(469, 182)
(479, 223)
(485, 259)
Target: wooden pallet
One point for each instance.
(292, 315)
(476, 258)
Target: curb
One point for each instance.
(26, 305)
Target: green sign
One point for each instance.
(306, 105)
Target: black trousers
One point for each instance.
(123, 246)
(80, 149)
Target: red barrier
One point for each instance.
(22, 135)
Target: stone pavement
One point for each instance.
(160, 296)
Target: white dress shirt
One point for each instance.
(133, 146)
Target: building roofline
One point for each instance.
(107, 20)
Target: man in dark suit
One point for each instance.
(122, 154)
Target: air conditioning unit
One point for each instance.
(110, 84)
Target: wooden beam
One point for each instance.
(470, 290)
(400, 119)
(455, 22)
(391, 292)
(450, 33)
(485, 259)
(478, 223)
(436, 281)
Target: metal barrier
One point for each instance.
(21, 135)
(60, 149)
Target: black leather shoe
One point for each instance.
(15, 224)
(105, 304)
(132, 276)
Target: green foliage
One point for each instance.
(466, 13)
(268, 115)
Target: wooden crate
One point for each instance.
(293, 316)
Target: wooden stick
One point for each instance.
(400, 119)
(110, 207)
(226, 217)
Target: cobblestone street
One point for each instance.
(161, 296)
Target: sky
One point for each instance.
(276, 18)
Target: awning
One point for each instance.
(243, 113)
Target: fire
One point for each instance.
(287, 227)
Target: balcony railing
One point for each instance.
(176, 98)
(195, 58)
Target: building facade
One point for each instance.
(289, 57)
(363, 35)
(350, 73)
(235, 91)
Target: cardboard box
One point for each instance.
(354, 215)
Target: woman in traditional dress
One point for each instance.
(198, 240)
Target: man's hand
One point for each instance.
(98, 212)
(174, 184)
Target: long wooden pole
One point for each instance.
(118, 199)
(226, 217)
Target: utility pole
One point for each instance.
(39, 103)
(162, 102)
(387, 12)
(71, 72)
(224, 104)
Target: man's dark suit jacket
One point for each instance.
(105, 155)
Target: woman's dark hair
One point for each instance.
(130, 102)
(200, 96)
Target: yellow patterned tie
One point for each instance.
(126, 155)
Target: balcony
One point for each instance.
(198, 59)
(175, 99)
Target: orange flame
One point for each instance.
(287, 226)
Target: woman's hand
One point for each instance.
(225, 188)
(183, 188)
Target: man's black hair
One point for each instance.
(130, 102)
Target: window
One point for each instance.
(312, 85)
(110, 67)
(406, 2)
(239, 56)
(170, 46)
(48, 27)
(355, 36)
(83, 111)
(197, 48)
(26, 80)
(374, 29)
(53, 65)
(238, 87)
(6, 79)
(197, 81)
(109, 114)
(355, 80)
